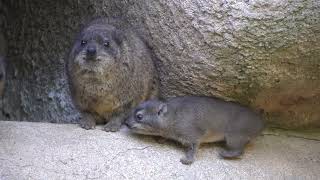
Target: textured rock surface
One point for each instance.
(3, 44)
(52, 151)
(261, 53)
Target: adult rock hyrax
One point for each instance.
(193, 120)
(110, 71)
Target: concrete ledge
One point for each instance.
(65, 151)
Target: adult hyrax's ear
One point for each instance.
(162, 110)
(118, 36)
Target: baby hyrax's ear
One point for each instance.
(162, 109)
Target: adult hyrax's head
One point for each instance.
(148, 118)
(96, 50)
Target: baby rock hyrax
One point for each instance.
(192, 120)
(110, 71)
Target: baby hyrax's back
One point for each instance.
(192, 120)
(214, 116)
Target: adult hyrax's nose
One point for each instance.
(91, 51)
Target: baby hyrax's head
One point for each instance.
(148, 118)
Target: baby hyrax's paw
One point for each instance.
(112, 126)
(186, 161)
(230, 154)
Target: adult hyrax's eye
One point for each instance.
(139, 117)
(83, 42)
(106, 44)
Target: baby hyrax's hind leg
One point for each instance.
(190, 154)
(87, 121)
(235, 145)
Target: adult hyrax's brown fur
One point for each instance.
(110, 71)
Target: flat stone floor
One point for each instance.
(65, 151)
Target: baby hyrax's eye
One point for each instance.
(139, 116)
(83, 42)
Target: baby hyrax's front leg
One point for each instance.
(190, 154)
(114, 123)
(235, 146)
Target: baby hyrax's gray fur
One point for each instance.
(110, 71)
(193, 120)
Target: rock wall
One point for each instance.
(265, 54)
